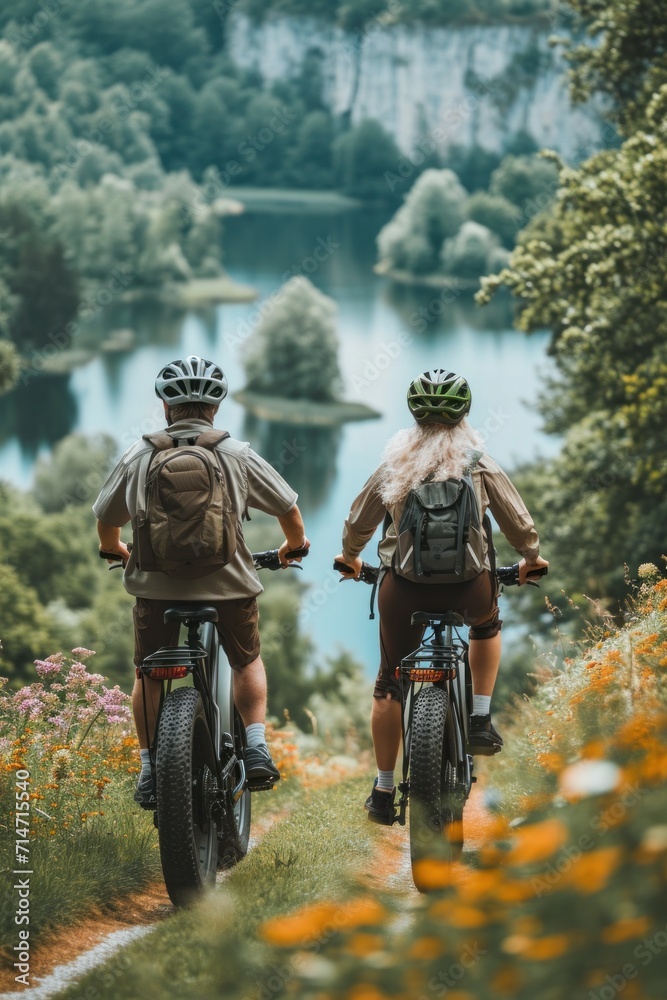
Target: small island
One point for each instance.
(292, 362)
(442, 237)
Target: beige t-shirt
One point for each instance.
(495, 492)
(250, 481)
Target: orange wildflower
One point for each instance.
(590, 872)
(361, 945)
(622, 930)
(302, 927)
(537, 842)
(552, 946)
(431, 873)
(506, 980)
(426, 948)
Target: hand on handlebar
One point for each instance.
(354, 567)
(286, 547)
(120, 552)
(526, 569)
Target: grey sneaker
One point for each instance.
(260, 769)
(144, 793)
(482, 736)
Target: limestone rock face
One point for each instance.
(469, 86)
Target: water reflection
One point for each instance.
(39, 412)
(433, 310)
(305, 456)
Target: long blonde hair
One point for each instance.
(426, 449)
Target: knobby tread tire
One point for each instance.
(234, 835)
(182, 737)
(433, 809)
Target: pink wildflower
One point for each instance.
(82, 651)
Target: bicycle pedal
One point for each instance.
(265, 786)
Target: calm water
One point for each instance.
(114, 394)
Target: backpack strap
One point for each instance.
(211, 437)
(160, 440)
(463, 515)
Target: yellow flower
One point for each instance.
(362, 944)
(426, 948)
(545, 948)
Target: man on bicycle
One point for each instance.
(441, 444)
(191, 391)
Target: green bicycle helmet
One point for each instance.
(439, 396)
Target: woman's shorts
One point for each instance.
(398, 598)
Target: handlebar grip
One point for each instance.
(298, 553)
(342, 567)
(110, 555)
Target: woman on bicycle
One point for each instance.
(441, 444)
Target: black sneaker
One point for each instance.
(260, 769)
(144, 793)
(482, 737)
(380, 806)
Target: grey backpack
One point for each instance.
(188, 527)
(440, 534)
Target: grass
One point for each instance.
(214, 949)
(75, 873)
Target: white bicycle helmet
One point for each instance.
(192, 380)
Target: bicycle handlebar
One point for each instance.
(261, 560)
(509, 575)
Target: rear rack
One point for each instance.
(173, 656)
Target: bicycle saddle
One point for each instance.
(430, 618)
(197, 614)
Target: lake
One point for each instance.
(388, 335)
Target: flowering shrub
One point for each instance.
(72, 733)
(569, 898)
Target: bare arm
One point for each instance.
(295, 533)
(110, 540)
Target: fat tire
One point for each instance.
(234, 833)
(184, 745)
(435, 810)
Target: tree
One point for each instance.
(593, 271)
(496, 213)
(293, 352)
(74, 472)
(627, 61)
(26, 632)
(432, 212)
(471, 253)
(10, 366)
(362, 157)
(529, 182)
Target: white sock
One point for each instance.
(145, 760)
(481, 704)
(256, 734)
(385, 781)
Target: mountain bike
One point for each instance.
(202, 803)
(436, 695)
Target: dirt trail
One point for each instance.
(138, 912)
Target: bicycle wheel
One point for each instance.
(234, 833)
(435, 808)
(186, 790)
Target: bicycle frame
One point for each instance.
(196, 657)
(444, 657)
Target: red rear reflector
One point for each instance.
(168, 673)
(426, 675)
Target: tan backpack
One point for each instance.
(188, 528)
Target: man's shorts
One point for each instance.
(237, 625)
